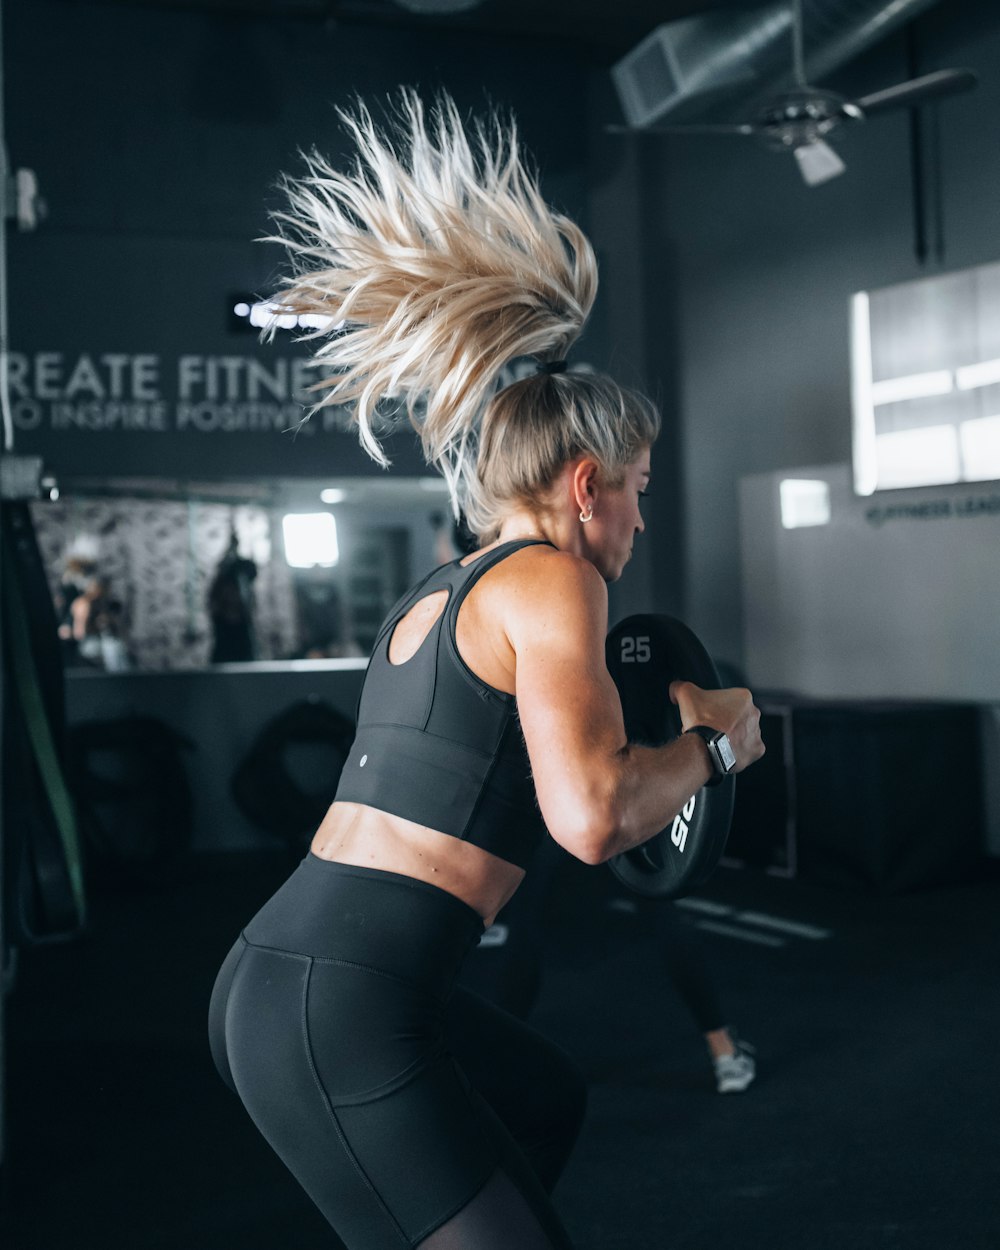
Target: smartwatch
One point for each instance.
(720, 752)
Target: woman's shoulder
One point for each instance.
(541, 579)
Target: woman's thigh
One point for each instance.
(400, 1156)
(535, 1089)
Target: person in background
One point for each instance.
(98, 627)
(231, 607)
(683, 959)
(75, 575)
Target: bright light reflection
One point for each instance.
(333, 494)
(264, 315)
(310, 539)
(980, 439)
(983, 374)
(865, 471)
(914, 386)
(922, 457)
(804, 503)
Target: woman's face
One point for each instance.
(617, 519)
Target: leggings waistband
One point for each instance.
(384, 921)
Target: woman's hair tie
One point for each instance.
(552, 366)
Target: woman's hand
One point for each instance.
(730, 711)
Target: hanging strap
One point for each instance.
(36, 721)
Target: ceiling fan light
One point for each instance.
(818, 162)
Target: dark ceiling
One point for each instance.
(604, 28)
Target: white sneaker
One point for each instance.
(733, 1073)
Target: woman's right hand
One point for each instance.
(730, 711)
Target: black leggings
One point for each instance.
(680, 950)
(412, 1113)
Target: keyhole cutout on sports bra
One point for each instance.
(411, 630)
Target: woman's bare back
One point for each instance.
(353, 833)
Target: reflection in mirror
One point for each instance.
(157, 575)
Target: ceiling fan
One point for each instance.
(798, 120)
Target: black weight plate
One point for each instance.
(644, 655)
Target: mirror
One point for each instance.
(155, 575)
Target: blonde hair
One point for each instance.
(436, 262)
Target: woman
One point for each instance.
(411, 1112)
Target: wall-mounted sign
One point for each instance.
(149, 393)
(934, 509)
(107, 413)
(120, 413)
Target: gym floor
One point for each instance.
(873, 1122)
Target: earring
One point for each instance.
(589, 516)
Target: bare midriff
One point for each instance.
(353, 833)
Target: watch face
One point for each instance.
(726, 753)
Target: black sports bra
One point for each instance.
(435, 744)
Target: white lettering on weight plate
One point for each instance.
(679, 833)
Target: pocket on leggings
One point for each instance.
(368, 1031)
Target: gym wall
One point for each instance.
(750, 277)
(747, 293)
(220, 711)
(158, 155)
(897, 597)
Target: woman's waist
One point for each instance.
(371, 918)
(360, 835)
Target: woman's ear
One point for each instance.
(585, 483)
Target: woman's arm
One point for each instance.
(80, 615)
(598, 794)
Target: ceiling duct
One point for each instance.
(437, 7)
(682, 67)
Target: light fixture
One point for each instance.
(818, 162)
(263, 315)
(333, 494)
(310, 539)
(804, 502)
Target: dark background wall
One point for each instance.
(158, 137)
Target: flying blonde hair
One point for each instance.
(436, 262)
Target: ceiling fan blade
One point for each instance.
(694, 129)
(704, 128)
(818, 162)
(918, 90)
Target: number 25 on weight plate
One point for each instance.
(635, 650)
